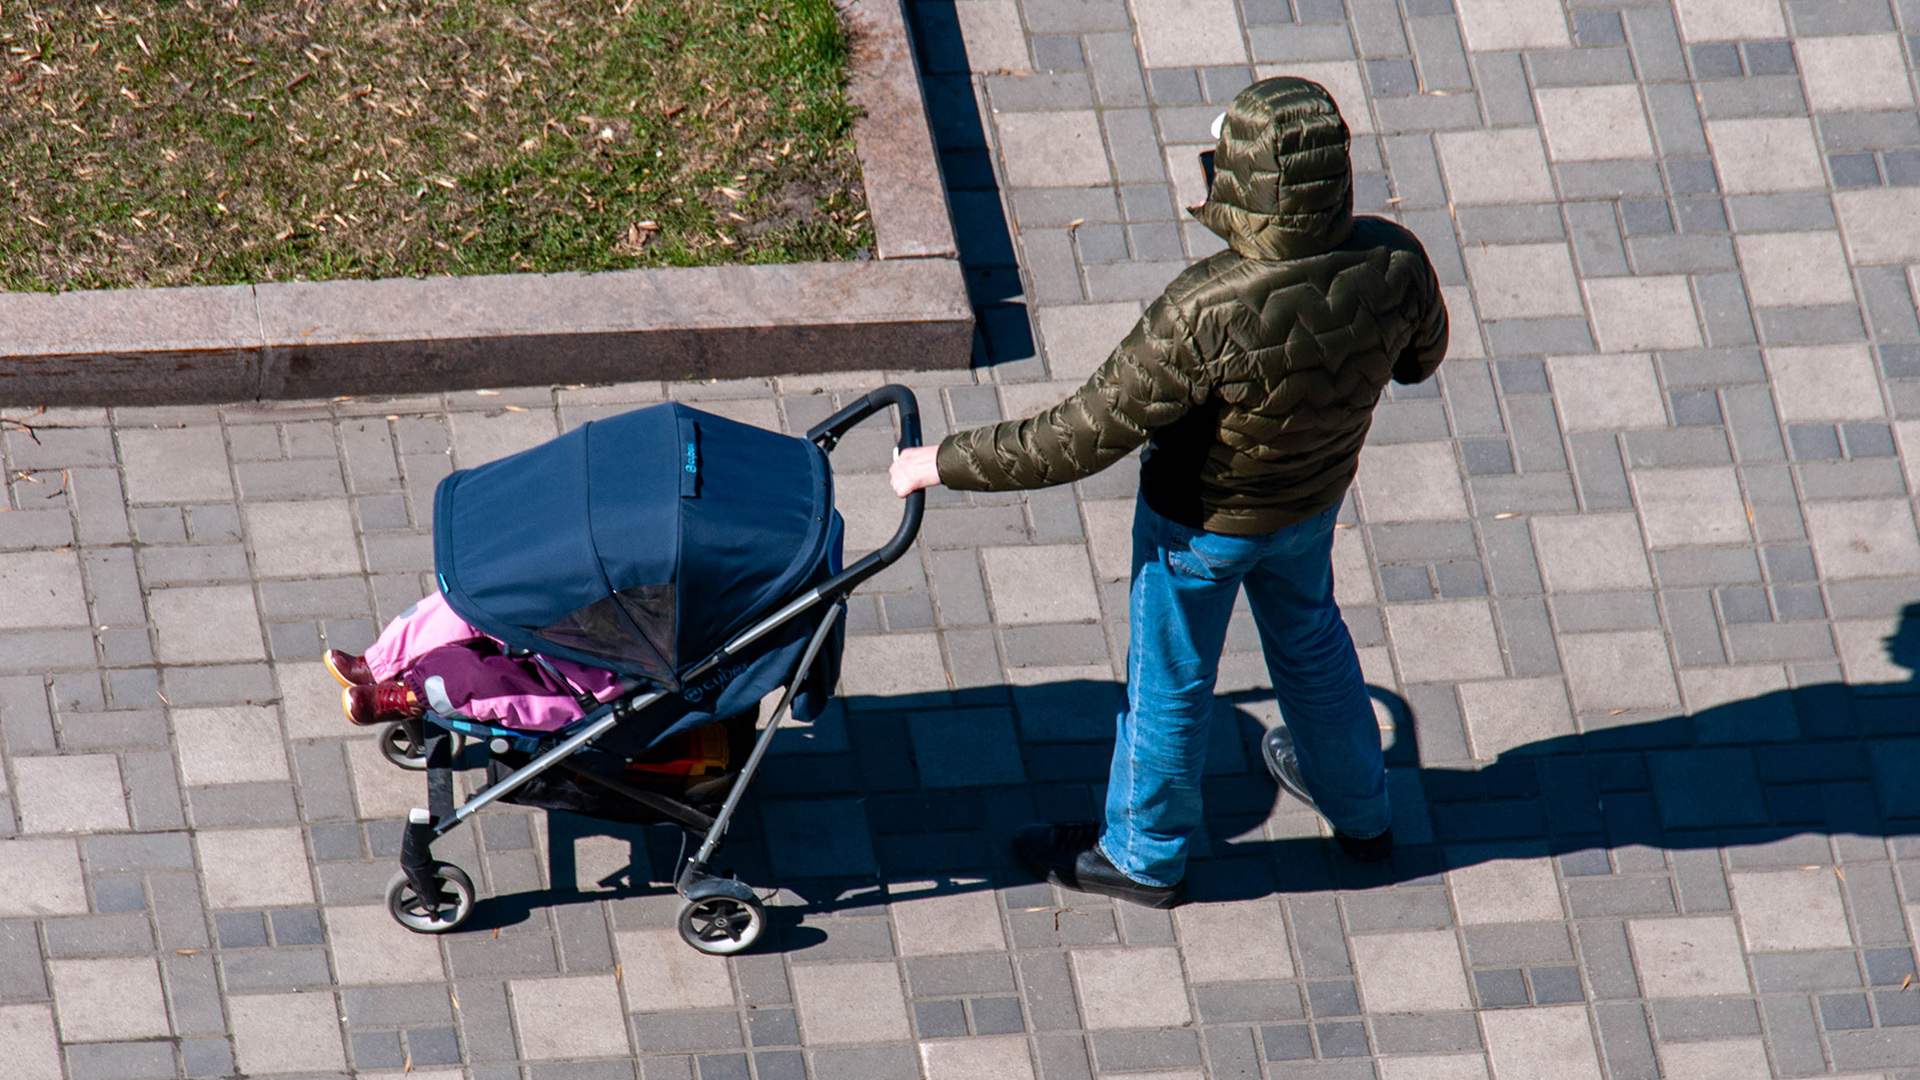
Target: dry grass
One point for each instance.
(171, 142)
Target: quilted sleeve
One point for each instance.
(1428, 346)
(1153, 377)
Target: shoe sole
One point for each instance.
(326, 661)
(346, 708)
(1280, 777)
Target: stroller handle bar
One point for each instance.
(827, 433)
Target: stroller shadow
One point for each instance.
(915, 795)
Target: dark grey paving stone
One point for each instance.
(1556, 985)
(939, 1019)
(240, 929)
(1897, 1008)
(1890, 967)
(1393, 77)
(433, 1046)
(1058, 52)
(1596, 28)
(996, 1016)
(724, 1067)
(1500, 989)
(1175, 86)
(377, 1050)
(1644, 217)
(780, 1065)
(1131, 1050)
(1868, 440)
(1287, 1042)
(1333, 998)
(298, 926)
(775, 1027)
(1342, 1039)
(206, 1057)
(1845, 1012)
(1405, 583)
(1716, 60)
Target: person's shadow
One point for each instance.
(925, 789)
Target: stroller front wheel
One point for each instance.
(398, 747)
(432, 915)
(722, 925)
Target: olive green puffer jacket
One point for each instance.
(1253, 377)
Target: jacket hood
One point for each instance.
(1283, 180)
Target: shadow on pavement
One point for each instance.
(891, 796)
(980, 225)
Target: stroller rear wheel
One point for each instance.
(398, 747)
(432, 915)
(722, 925)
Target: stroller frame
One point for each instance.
(722, 915)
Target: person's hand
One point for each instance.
(913, 469)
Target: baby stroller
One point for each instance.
(696, 557)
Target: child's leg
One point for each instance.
(422, 628)
(491, 687)
(604, 685)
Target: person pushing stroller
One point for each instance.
(1252, 382)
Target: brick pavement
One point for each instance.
(1631, 578)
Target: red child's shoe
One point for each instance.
(365, 704)
(348, 669)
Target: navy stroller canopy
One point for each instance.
(640, 543)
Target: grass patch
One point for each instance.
(177, 142)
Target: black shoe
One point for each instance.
(1284, 763)
(1069, 855)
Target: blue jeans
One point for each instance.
(1184, 584)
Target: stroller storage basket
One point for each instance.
(580, 785)
(698, 558)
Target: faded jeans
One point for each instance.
(1183, 588)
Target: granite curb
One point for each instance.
(905, 308)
